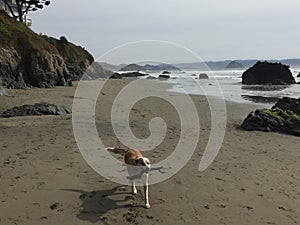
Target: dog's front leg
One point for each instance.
(146, 191)
(133, 188)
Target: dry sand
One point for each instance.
(255, 178)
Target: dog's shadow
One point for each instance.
(97, 203)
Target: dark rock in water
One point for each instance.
(133, 74)
(166, 72)
(203, 76)
(116, 76)
(234, 65)
(129, 74)
(298, 75)
(164, 77)
(36, 109)
(268, 73)
(283, 117)
(151, 78)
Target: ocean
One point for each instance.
(227, 84)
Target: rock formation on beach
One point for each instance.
(268, 73)
(28, 59)
(283, 117)
(298, 75)
(129, 74)
(203, 76)
(234, 65)
(36, 109)
(164, 77)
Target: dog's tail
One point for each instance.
(120, 151)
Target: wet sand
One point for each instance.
(255, 178)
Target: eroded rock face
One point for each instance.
(283, 117)
(36, 109)
(9, 62)
(28, 59)
(268, 73)
(39, 69)
(47, 70)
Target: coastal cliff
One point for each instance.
(28, 59)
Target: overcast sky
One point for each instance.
(214, 29)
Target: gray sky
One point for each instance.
(214, 29)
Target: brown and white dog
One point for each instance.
(137, 166)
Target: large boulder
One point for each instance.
(164, 77)
(298, 75)
(268, 73)
(203, 76)
(36, 109)
(284, 117)
(129, 74)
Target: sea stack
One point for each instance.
(268, 73)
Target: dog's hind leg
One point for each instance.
(146, 191)
(131, 172)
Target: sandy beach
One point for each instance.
(255, 178)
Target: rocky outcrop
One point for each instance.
(166, 72)
(298, 75)
(164, 77)
(36, 109)
(284, 117)
(234, 65)
(28, 59)
(203, 76)
(268, 73)
(129, 74)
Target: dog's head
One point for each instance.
(144, 163)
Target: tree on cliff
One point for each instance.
(19, 8)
